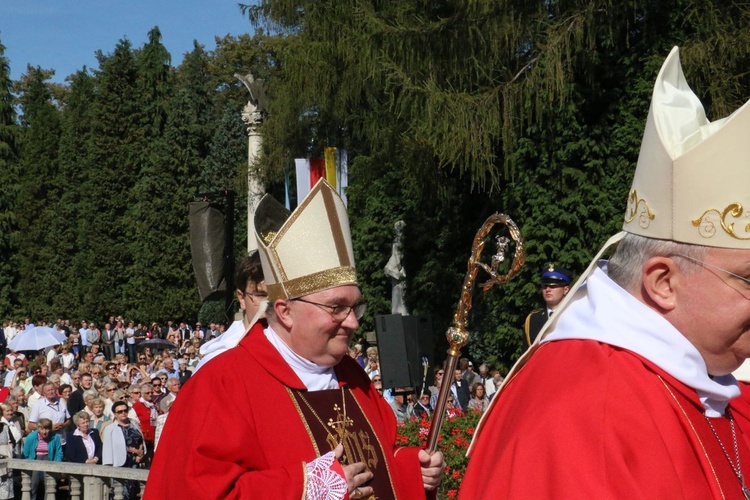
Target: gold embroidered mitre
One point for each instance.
(308, 250)
(692, 181)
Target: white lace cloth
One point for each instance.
(323, 483)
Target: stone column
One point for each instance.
(253, 115)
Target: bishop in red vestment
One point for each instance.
(628, 391)
(236, 431)
(286, 413)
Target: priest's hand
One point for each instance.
(356, 476)
(433, 467)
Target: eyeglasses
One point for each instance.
(120, 412)
(745, 294)
(376, 380)
(339, 313)
(255, 295)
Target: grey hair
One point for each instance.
(633, 251)
(90, 393)
(81, 415)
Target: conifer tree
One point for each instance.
(75, 166)
(533, 108)
(160, 280)
(38, 195)
(115, 155)
(8, 185)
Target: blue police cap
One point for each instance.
(556, 276)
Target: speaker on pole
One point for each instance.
(403, 341)
(207, 239)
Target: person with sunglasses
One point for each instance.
(305, 419)
(123, 446)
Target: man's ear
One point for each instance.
(283, 313)
(660, 278)
(241, 299)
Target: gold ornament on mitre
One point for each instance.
(692, 181)
(308, 250)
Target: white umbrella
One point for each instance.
(36, 338)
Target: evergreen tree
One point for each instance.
(535, 109)
(38, 196)
(75, 166)
(115, 153)
(161, 275)
(8, 185)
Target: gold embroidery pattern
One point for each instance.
(304, 422)
(272, 252)
(268, 237)
(706, 223)
(638, 207)
(385, 450)
(697, 436)
(311, 283)
(357, 447)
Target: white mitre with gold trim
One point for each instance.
(308, 250)
(692, 181)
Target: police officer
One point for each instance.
(555, 286)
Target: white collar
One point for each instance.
(603, 311)
(315, 377)
(78, 432)
(230, 338)
(147, 404)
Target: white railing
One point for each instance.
(86, 482)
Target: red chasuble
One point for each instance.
(587, 420)
(237, 430)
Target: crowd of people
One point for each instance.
(470, 390)
(627, 390)
(93, 399)
(96, 400)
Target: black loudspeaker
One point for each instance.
(207, 247)
(402, 343)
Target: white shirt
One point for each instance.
(315, 377)
(87, 442)
(601, 310)
(228, 339)
(9, 378)
(56, 411)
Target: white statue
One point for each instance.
(395, 271)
